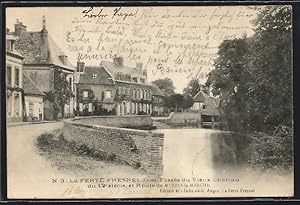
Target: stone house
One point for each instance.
(157, 100)
(34, 102)
(14, 85)
(41, 57)
(113, 88)
(208, 107)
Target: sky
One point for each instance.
(175, 42)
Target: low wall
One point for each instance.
(182, 118)
(138, 148)
(118, 121)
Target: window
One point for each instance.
(108, 94)
(31, 107)
(138, 93)
(123, 90)
(102, 96)
(134, 93)
(128, 77)
(204, 107)
(127, 91)
(9, 45)
(119, 76)
(8, 74)
(85, 94)
(119, 90)
(17, 76)
(94, 75)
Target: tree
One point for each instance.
(271, 66)
(230, 80)
(192, 88)
(61, 93)
(188, 102)
(166, 85)
(178, 101)
(253, 75)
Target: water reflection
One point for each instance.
(222, 157)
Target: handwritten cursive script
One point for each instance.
(73, 190)
(117, 12)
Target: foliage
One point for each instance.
(194, 87)
(271, 66)
(253, 75)
(178, 101)
(61, 93)
(166, 85)
(273, 151)
(62, 89)
(49, 142)
(50, 96)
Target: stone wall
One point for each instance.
(140, 149)
(129, 121)
(185, 118)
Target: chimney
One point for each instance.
(19, 28)
(119, 61)
(80, 67)
(44, 42)
(145, 73)
(139, 67)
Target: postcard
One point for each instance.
(149, 102)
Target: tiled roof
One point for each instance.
(156, 90)
(95, 75)
(113, 69)
(30, 88)
(217, 101)
(211, 108)
(29, 45)
(200, 96)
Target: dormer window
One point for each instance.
(119, 76)
(128, 77)
(94, 75)
(10, 45)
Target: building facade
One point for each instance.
(42, 57)
(157, 101)
(208, 107)
(34, 99)
(113, 89)
(14, 85)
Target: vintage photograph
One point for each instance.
(149, 102)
